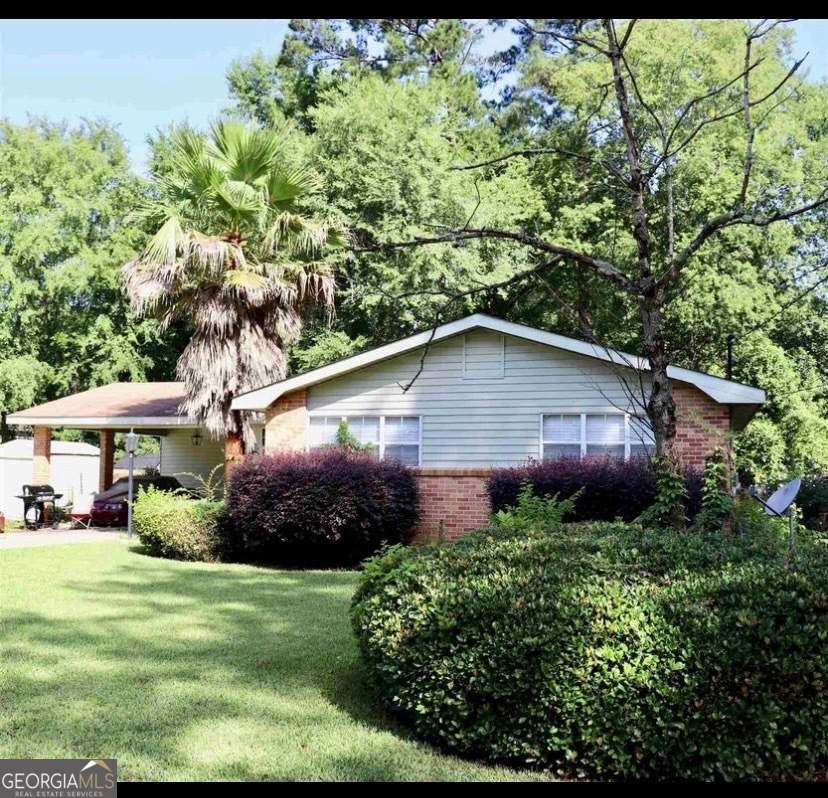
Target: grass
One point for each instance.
(194, 672)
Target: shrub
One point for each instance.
(607, 650)
(329, 506)
(173, 526)
(813, 501)
(609, 489)
(533, 512)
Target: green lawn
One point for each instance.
(193, 672)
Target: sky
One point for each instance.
(145, 74)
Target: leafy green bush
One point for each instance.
(607, 650)
(716, 501)
(813, 501)
(534, 512)
(173, 526)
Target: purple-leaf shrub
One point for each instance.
(610, 489)
(330, 506)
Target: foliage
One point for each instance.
(233, 255)
(533, 512)
(324, 347)
(177, 527)
(328, 506)
(607, 650)
(812, 500)
(602, 488)
(210, 488)
(346, 439)
(670, 498)
(716, 502)
(65, 324)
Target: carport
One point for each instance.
(150, 408)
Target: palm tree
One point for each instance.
(233, 257)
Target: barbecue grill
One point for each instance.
(39, 506)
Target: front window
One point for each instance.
(617, 435)
(392, 437)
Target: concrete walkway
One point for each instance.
(53, 537)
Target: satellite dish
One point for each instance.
(780, 500)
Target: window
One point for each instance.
(394, 437)
(402, 439)
(618, 435)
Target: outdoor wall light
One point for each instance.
(131, 442)
(196, 438)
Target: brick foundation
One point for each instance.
(106, 442)
(703, 425)
(453, 501)
(42, 456)
(286, 423)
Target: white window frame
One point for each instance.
(583, 414)
(382, 418)
(501, 376)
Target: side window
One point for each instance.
(402, 439)
(561, 436)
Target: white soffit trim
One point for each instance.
(100, 422)
(719, 389)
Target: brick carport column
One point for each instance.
(106, 442)
(42, 456)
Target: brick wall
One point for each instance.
(42, 456)
(452, 502)
(286, 423)
(702, 424)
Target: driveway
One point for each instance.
(53, 537)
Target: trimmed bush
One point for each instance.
(328, 507)
(173, 526)
(607, 651)
(610, 489)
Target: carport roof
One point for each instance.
(119, 405)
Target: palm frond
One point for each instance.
(247, 153)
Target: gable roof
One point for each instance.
(719, 389)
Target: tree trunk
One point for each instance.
(661, 407)
(234, 449)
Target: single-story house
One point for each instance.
(74, 471)
(451, 402)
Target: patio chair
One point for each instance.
(79, 512)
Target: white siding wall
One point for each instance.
(179, 456)
(482, 418)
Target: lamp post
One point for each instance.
(131, 446)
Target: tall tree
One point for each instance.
(234, 256)
(638, 143)
(319, 54)
(65, 324)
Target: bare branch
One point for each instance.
(529, 151)
(596, 265)
(732, 218)
(626, 38)
(637, 182)
(564, 38)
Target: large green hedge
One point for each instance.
(179, 528)
(607, 651)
